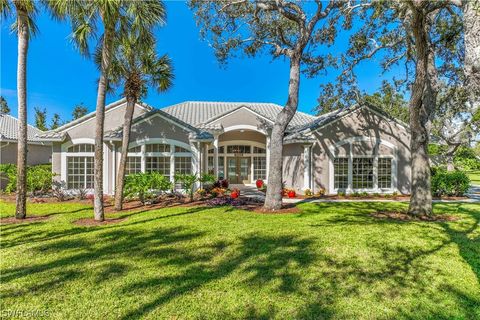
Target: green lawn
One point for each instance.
(474, 177)
(332, 260)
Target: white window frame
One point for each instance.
(65, 154)
(350, 142)
(172, 154)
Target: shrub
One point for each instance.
(321, 192)
(466, 159)
(454, 183)
(308, 192)
(58, 190)
(145, 185)
(188, 182)
(81, 194)
(8, 172)
(39, 178)
(221, 183)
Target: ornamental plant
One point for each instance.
(188, 182)
(145, 185)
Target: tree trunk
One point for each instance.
(471, 16)
(99, 125)
(422, 104)
(127, 125)
(273, 200)
(449, 155)
(21, 201)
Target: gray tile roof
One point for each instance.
(9, 129)
(200, 113)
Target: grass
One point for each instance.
(330, 261)
(474, 177)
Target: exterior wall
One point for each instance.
(361, 123)
(293, 166)
(56, 160)
(242, 117)
(113, 119)
(158, 127)
(37, 154)
(247, 135)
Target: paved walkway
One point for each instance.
(474, 193)
(251, 191)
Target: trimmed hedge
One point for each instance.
(445, 183)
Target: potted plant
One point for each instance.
(259, 183)
(291, 193)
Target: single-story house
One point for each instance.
(39, 151)
(356, 149)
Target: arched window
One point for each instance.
(166, 158)
(82, 147)
(80, 166)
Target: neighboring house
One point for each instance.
(356, 149)
(39, 151)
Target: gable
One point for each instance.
(113, 119)
(157, 126)
(240, 117)
(363, 122)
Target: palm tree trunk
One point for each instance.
(21, 201)
(99, 125)
(273, 200)
(127, 125)
(421, 106)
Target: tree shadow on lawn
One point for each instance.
(28, 233)
(266, 258)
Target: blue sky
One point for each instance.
(59, 77)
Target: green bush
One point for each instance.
(454, 183)
(466, 159)
(145, 185)
(188, 182)
(39, 178)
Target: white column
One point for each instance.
(267, 145)
(172, 163)
(215, 155)
(306, 167)
(350, 169)
(106, 160)
(142, 158)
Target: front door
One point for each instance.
(238, 170)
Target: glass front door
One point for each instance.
(238, 170)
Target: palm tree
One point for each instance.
(116, 17)
(136, 65)
(24, 25)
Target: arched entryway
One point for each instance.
(240, 156)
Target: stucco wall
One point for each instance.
(36, 154)
(113, 119)
(240, 117)
(362, 123)
(293, 166)
(247, 135)
(158, 127)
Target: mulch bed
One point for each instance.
(402, 216)
(13, 220)
(92, 222)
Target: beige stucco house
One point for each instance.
(356, 149)
(39, 151)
